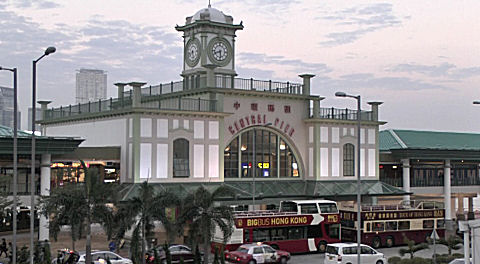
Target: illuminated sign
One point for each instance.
(332, 218)
(263, 165)
(273, 221)
(393, 215)
(260, 119)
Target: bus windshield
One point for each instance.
(288, 207)
(328, 208)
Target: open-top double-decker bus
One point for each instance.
(389, 225)
(288, 229)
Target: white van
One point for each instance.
(346, 253)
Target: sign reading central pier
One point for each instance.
(271, 221)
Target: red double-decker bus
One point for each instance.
(388, 225)
(289, 230)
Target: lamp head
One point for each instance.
(50, 50)
(476, 102)
(340, 94)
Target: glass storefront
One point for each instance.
(272, 156)
(72, 172)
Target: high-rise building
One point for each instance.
(91, 85)
(6, 107)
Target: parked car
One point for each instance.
(66, 256)
(340, 253)
(257, 253)
(459, 261)
(176, 251)
(101, 257)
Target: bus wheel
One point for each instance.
(275, 246)
(376, 242)
(322, 247)
(252, 262)
(379, 262)
(390, 242)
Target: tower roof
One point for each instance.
(210, 14)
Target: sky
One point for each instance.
(421, 58)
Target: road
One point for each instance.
(389, 252)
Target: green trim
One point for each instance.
(210, 23)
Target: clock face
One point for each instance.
(192, 52)
(219, 51)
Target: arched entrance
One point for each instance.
(273, 156)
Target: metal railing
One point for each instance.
(176, 103)
(342, 114)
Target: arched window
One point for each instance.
(271, 155)
(348, 160)
(181, 167)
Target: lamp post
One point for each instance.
(254, 165)
(15, 165)
(359, 195)
(47, 52)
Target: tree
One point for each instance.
(78, 205)
(202, 215)
(141, 211)
(411, 247)
(453, 242)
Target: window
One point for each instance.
(428, 224)
(349, 250)
(181, 166)
(257, 250)
(314, 231)
(440, 223)
(403, 225)
(348, 160)
(295, 233)
(391, 226)
(378, 226)
(308, 209)
(333, 230)
(268, 249)
(367, 250)
(328, 208)
(260, 235)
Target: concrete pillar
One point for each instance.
(374, 109)
(447, 190)
(460, 214)
(211, 75)
(121, 89)
(137, 93)
(43, 108)
(316, 108)
(306, 82)
(471, 213)
(466, 247)
(406, 178)
(43, 233)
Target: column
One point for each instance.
(43, 108)
(137, 93)
(374, 107)
(406, 178)
(43, 233)
(306, 82)
(460, 214)
(316, 109)
(471, 213)
(211, 75)
(121, 89)
(447, 190)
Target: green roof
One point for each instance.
(394, 139)
(277, 190)
(7, 132)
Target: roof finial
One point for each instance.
(209, 5)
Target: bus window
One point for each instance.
(347, 223)
(428, 224)
(440, 223)
(378, 226)
(333, 230)
(314, 231)
(295, 233)
(403, 225)
(278, 233)
(308, 209)
(328, 208)
(288, 207)
(368, 228)
(247, 236)
(260, 235)
(391, 226)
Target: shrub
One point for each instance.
(394, 260)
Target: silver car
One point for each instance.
(100, 257)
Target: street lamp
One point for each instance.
(15, 158)
(476, 102)
(47, 52)
(254, 165)
(359, 195)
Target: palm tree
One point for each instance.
(77, 205)
(411, 247)
(141, 211)
(452, 242)
(202, 215)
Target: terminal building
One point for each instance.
(266, 139)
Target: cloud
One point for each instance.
(294, 66)
(360, 20)
(444, 70)
(36, 4)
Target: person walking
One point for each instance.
(3, 248)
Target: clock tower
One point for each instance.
(208, 48)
